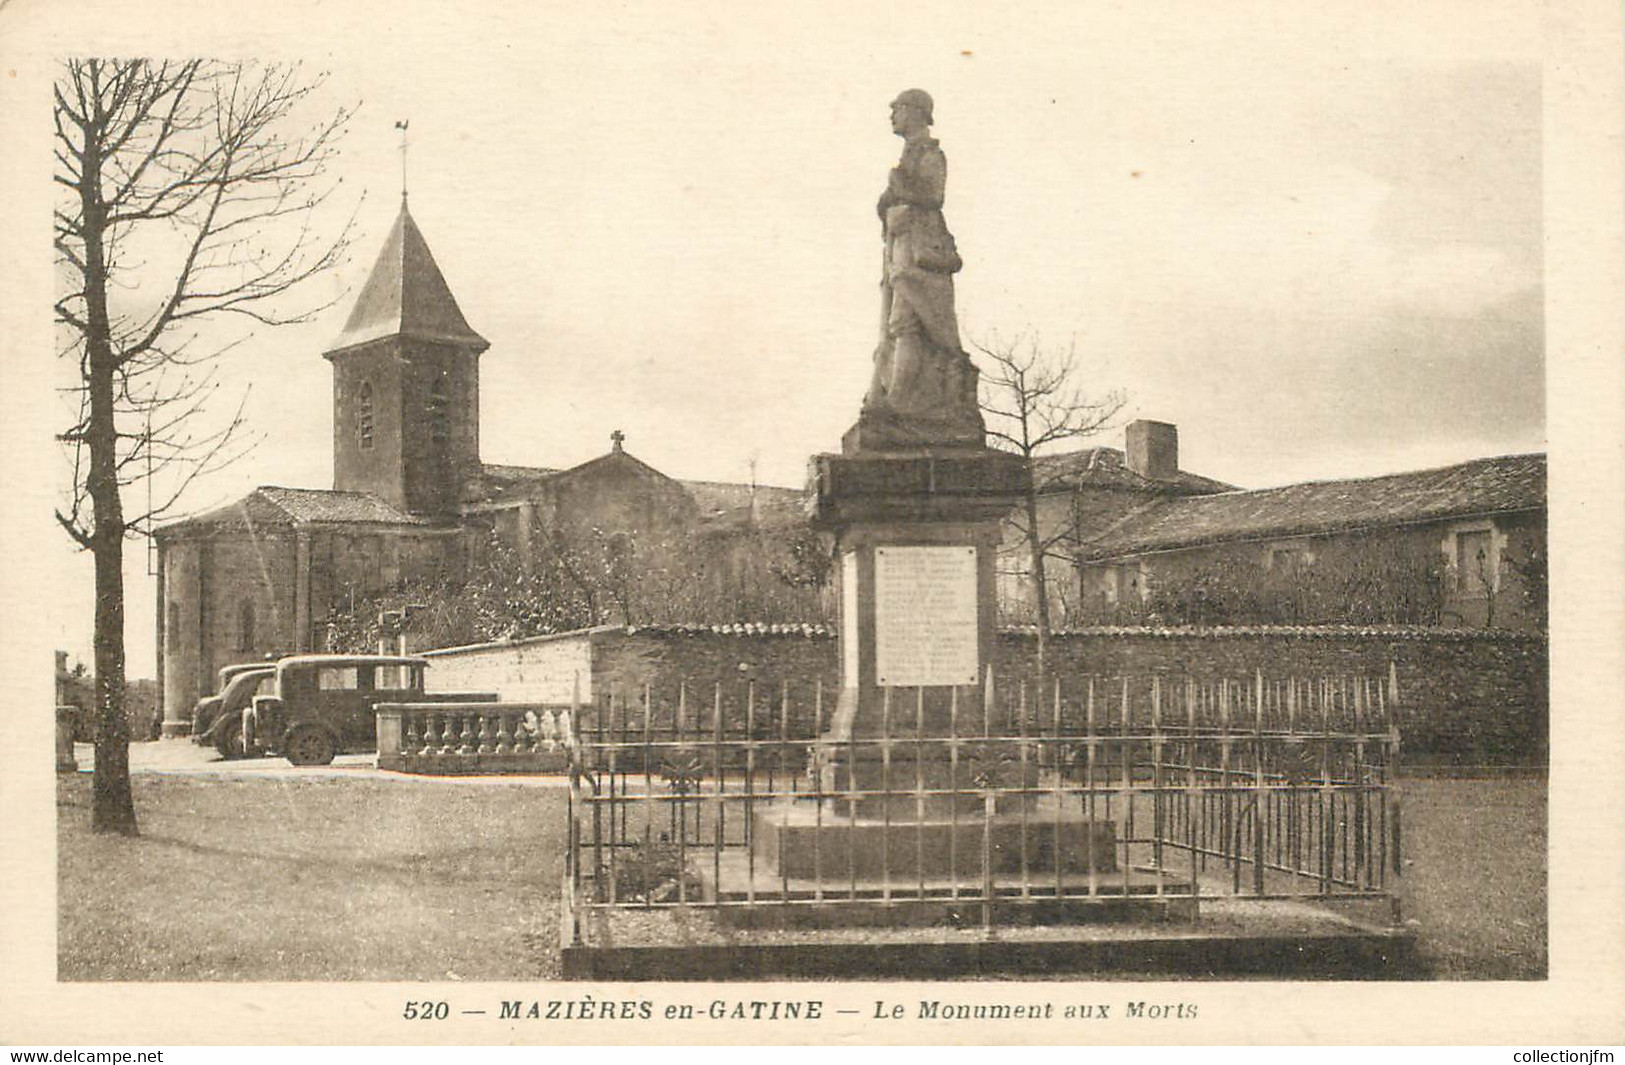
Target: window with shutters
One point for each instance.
(1124, 584)
(1475, 562)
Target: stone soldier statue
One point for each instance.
(924, 387)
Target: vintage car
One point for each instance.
(219, 718)
(323, 704)
(207, 709)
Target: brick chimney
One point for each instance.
(1152, 449)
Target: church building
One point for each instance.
(410, 496)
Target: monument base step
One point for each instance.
(776, 901)
(798, 840)
(1240, 938)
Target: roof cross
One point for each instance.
(401, 125)
(615, 439)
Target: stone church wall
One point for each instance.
(228, 598)
(180, 624)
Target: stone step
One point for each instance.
(795, 902)
(795, 840)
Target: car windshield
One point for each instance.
(403, 677)
(231, 673)
(245, 685)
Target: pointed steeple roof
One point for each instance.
(406, 295)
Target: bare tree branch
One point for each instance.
(1033, 402)
(173, 172)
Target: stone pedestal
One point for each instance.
(914, 743)
(66, 719)
(916, 536)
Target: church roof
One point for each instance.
(725, 505)
(270, 505)
(406, 295)
(719, 503)
(1484, 486)
(495, 483)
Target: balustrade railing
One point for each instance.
(473, 737)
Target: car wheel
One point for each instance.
(228, 738)
(309, 745)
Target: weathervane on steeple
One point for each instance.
(401, 125)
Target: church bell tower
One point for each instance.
(406, 383)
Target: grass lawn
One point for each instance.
(1475, 878)
(318, 879)
(367, 879)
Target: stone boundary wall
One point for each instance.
(1468, 696)
(542, 669)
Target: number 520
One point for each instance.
(426, 1011)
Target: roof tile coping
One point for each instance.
(1328, 631)
(821, 631)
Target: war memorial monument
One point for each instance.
(946, 812)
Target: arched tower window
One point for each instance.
(363, 416)
(440, 409)
(245, 627)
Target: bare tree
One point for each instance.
(190, 195)
(1033, 401)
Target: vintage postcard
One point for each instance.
(931, 523)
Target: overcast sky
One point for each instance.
(1312, 241)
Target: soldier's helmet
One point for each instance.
(916, 98)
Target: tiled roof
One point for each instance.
(718, 502)
(499, 472)
(318, 505)
(1484, 486)
(725, 503)
(1105, 467)
(496, 483)
(406, 295)
(274, 505)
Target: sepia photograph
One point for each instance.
(526, 503)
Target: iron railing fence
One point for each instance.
(1089, 790)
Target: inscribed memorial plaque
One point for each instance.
(925, 616)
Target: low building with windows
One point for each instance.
(1461, 545)
(1132, 538)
